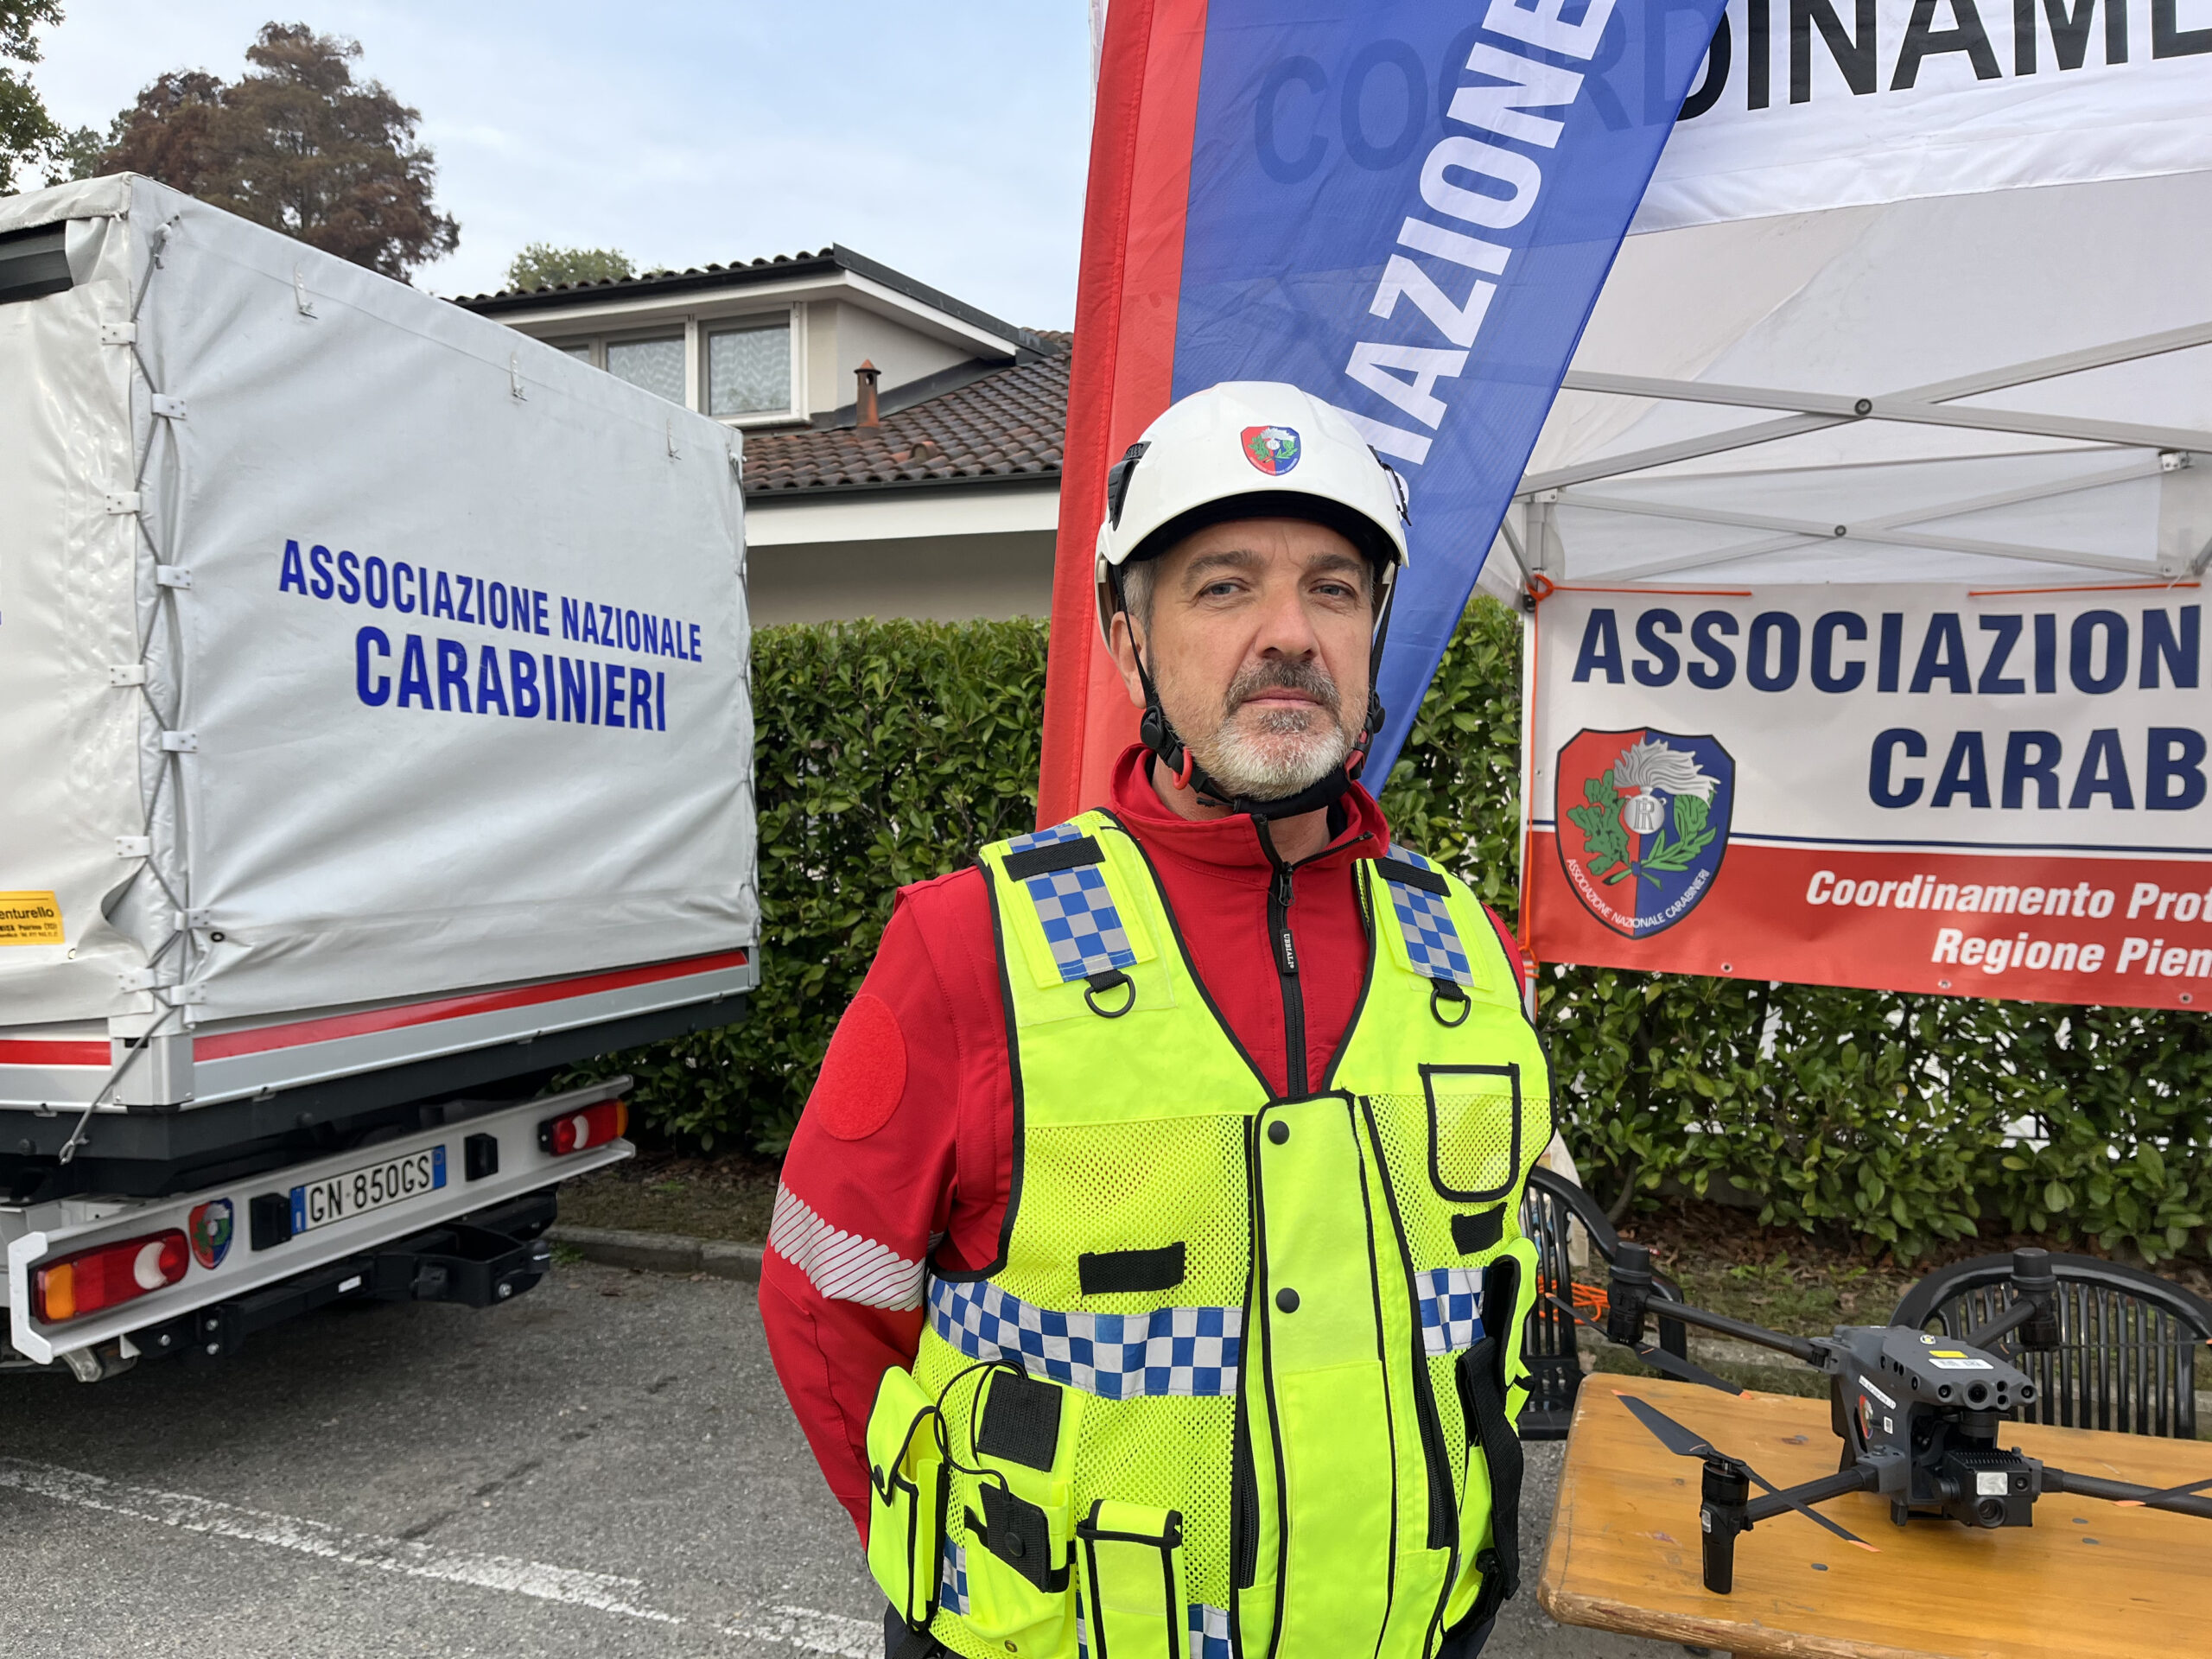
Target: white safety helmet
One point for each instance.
(1248, 449)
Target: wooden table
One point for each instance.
(2089, 1580)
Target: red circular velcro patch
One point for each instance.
(864, 1074)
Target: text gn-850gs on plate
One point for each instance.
(372, 1187)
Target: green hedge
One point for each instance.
(886, 753)
(889, 751)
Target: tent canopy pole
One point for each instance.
(1818, 411)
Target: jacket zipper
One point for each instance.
(1244, 1514)
(1286, 955)
(1284, 951)
(1243, 1475)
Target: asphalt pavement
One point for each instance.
(605, 1467)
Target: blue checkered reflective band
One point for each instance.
(952, 1582)
(1209, 1631)
(1050, 835)
(1432, 937)
(1451, 1309)
(1178, 1350)
(1080, 921)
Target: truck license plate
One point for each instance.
(372, 1187)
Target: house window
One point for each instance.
(579, 349)
(749, 369)
(655, 364)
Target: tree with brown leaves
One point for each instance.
(295, 143)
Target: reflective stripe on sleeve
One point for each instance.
(844, 1267)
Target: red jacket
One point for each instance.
(904, 1151)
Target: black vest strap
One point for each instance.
(1481, 1398)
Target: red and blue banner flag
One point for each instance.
(1406, 207)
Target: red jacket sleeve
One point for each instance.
(905, 1148)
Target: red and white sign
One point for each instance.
(1982, 791)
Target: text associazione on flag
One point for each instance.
(1927, 787)
(1406, 209)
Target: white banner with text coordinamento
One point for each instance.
(1805, 105)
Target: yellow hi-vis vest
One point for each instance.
(1242, 1379)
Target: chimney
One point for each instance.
(864, 410)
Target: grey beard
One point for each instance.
(1266, 757)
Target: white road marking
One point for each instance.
(812, 1632)
(603, 1592)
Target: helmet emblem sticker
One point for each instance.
(210, 1231)
(1653, 808)
(1273, 449)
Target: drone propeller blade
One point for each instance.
(1685, 1442)
(1674, 1365)
(1810, 1513)
(2192, 1488)
(1682, 1441)
(1657, 1358)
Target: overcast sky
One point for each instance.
(946, 141)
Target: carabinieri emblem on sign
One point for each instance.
(1642, 820)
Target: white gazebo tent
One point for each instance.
(2010, 387)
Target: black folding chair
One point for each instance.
(2130, 1343)
(1548, 1344)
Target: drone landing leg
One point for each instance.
(1729, 1509)
(1728, 1488)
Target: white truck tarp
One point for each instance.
(352, 647)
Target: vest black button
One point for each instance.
(1287, 1299)
(1278, 1132)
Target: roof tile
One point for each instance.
(639, 278)
(1010, 423)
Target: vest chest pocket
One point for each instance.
(906, 1524)
(1015, 1506)
(1130, 1556)
(1476, 1132)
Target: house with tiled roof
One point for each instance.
(902, 447)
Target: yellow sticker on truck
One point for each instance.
(29, 919)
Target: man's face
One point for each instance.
(1258, 642)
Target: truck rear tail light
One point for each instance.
(113, 1273)
(579, 1131)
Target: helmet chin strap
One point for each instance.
(1158, 733)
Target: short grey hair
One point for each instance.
(1136, 581)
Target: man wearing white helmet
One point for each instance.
(1259, 558)
(1146, 1271)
